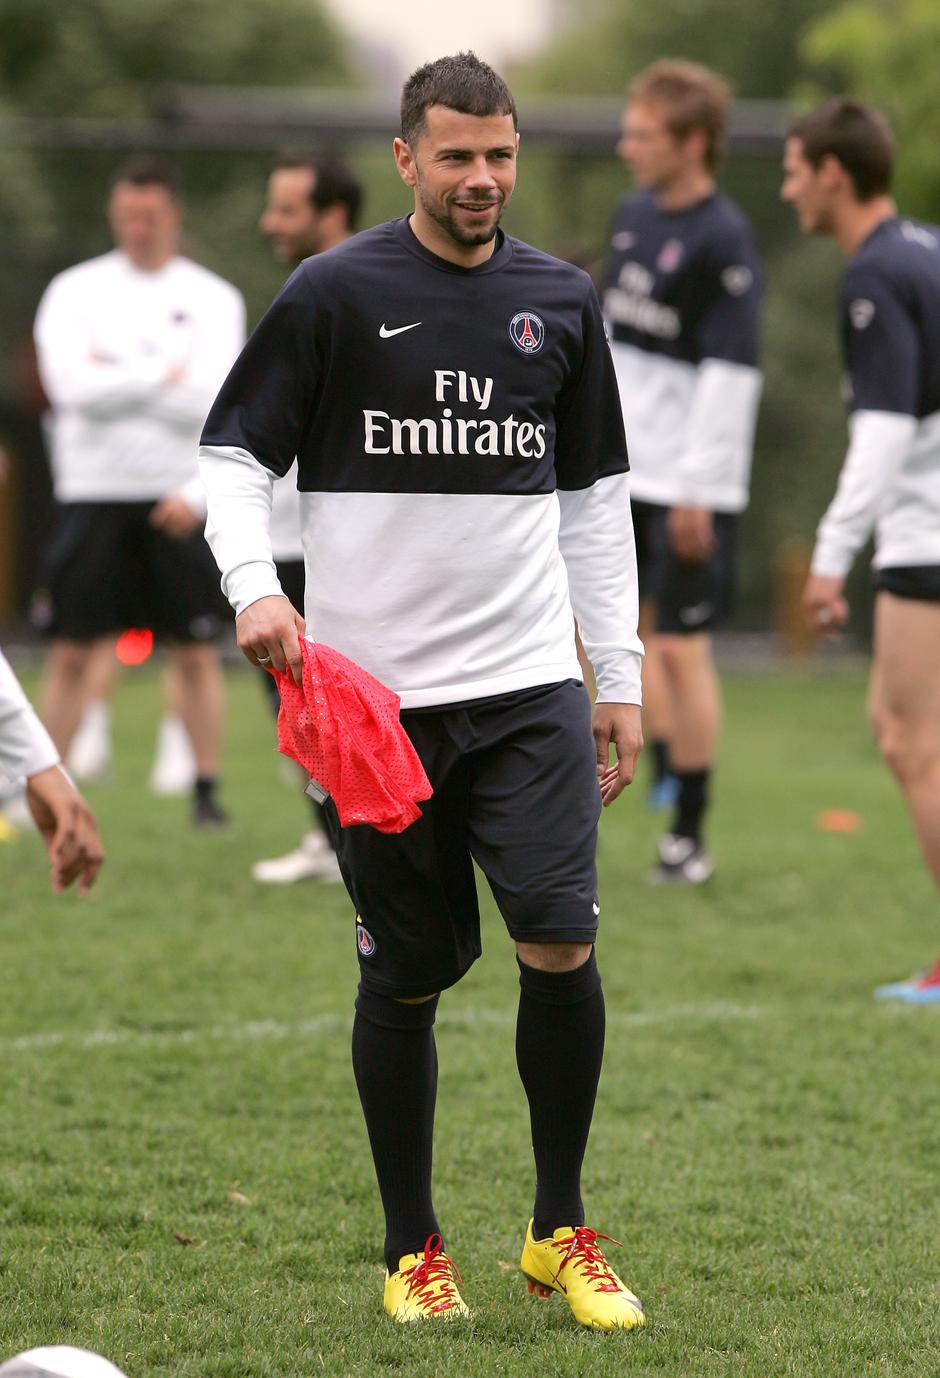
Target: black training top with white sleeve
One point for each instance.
(681, 298)
(890, 480)
(461, 464)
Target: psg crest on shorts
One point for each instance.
(364, 939)
(527, 332)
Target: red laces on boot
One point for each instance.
(581, 1252)
(432, 1280)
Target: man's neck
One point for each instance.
(439, 242)
(857, 219)
(685, 190)
(150, 263)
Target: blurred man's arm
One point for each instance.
(63, 818)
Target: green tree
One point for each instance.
(888, 51)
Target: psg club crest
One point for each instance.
(670, 256)
(527, 332)
(364, 939)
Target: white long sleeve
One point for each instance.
(25, 746)
(879, 443)
(131, 361)
(596, 540)
(714, 464)
(238, 494)
(77, 376)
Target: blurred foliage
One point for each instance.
(106, 57)
(888, 52)
(756, 46)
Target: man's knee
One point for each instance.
(70, 658)
(684, 656)
(909, 750)
(388, 1012)
(554, 956)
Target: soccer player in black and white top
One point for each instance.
(312, 206)
(449, 394)
(837, 176)
(681, 298)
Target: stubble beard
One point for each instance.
(446, 222)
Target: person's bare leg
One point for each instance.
(696, 699)
(657, 691)
(201, 702)
(62, 692)
(102, 671)
(904, 706)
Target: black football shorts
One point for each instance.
(515, 790)
(690, 596)
(109, 569)
(921, 582)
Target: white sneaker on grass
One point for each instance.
(313, 859)
(89, 755)
(174, 765)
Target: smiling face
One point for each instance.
(463, 170)
(807, 188)
(290, 219)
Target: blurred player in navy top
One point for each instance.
(312, 205)
(449, 395)
(838, 166)
(681, 298)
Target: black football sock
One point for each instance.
(395, 1063)
(691, 803)
(204, 788)
(559, 1049)
(660, 759)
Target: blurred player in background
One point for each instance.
(132, 346)
(64, 820)
(837, 176)
(464, 495)
(681, 297)
(313, 204)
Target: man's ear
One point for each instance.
(405, 162)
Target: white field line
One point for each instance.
(716, 1012)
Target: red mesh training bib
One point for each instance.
(342, 725)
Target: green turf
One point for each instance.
(184, 1179)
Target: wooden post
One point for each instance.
(791, 568)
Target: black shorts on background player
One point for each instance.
(690, 595)
(110, 569)
(921, 582)
(515, 789)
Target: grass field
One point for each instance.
(185, 1184)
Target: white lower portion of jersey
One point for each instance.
(690, 428)
(287, 542)
(890, 481)
(446, 597)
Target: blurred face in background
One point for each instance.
(145, 222)
(290, 220)
(807, 188)
(655, 157)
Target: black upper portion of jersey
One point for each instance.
(495, 379)
(686, 284)
(890, 315)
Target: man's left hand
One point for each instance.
(691, 533)
(618, 725)
(174, 517)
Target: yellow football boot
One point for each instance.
(571, 1263)
(424, 1289)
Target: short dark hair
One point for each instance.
(691, 97)
(857, 135)
(463, 83)
(147, 172)
(334, 183)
